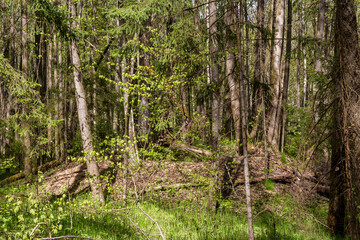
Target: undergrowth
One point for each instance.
(184, 218)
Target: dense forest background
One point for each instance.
(237, 86)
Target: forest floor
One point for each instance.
(178, 195)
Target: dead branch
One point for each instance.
(138, 228)
(38, 225)
(157, 224)
(173, 186)
(283, 178)
(191, 149)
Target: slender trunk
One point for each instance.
(82, 110)
(133, 149)
(61, 107)
(275, 77)
(244, 134)
(258, 69)
(286, 74)
(320, 31)
(320, 37)
(144, 116)
(117, 82)
(230, 20)
(215, 108)
(56, 101)
(49, 89)
(243, 9)
(24, 69)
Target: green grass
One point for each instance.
(178, 219)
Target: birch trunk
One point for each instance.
(244, 132)
(275, 77)
(83, 116)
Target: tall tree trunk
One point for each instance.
(49, 89)
(258, 69)
(56, 100)
(214, 49)
(230, 20)
(244, 131)
(286, 74)
(24, 69)
(345, 164)
(116, 124)
(275, 77)
(83, 116)
(61, 107)
(320, 35)
(303, 45)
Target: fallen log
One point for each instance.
(191, 149)
(174, 186)
(22, 174)
(283, 178)
(198, 152)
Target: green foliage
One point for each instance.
(29, 116)
(283, 158)
(181, 218)
(269, 184)
(52, 14)
(22, 208)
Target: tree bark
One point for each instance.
(286, 74)
(24, 69)
(83, 116)
(214, 49)
(258, 69)
(244, 132)
(275, 77)
(344, 173)
(230, 20)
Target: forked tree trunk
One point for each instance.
(83, 116)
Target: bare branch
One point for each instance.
(161, 234)
(38, 225)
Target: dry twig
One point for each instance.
(38, 225)
(157, 224)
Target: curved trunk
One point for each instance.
(83, 116)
